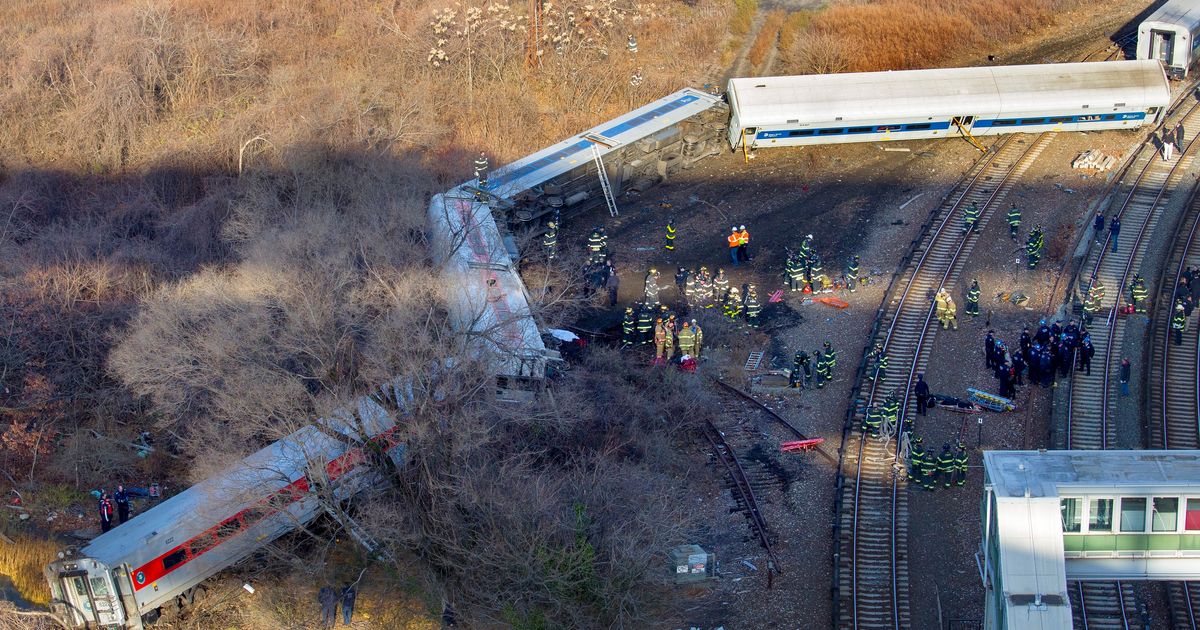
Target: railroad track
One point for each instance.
(1175, 386)
(1148, 183)
(743, 494)
(1097, 605)
(871, 579)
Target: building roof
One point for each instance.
(1047, 473)
(941, 92)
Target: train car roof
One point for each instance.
(1032, 573)
(1185, 13)
(485, 292)
(537, 168)
(1049, 473)
(912, 95)
(213, 500)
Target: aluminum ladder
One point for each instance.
(598, 141)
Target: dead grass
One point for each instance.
(907, 34)
(766, 39)
(23, 562)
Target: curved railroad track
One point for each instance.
(1096, 605)
(1091, 404)
(871, 578)
(1174, 394)
(742, 489)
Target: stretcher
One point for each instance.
(989, 401)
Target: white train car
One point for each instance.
(125, 577)
(915, 104)
(1170, 35)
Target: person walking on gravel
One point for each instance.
(1178, 323)
(922, 391)
(1098, 226)
(973, 299)
(1114, 229)
(1123, 375)
(1014, 221)
(1033, 247)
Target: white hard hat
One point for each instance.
(742, 228)
(733, 229)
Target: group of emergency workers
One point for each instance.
(820, 363)
(1185, 302)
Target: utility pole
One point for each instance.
(533, 46)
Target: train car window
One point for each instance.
(99, 586)
(1152, 111)
(883, 128)
(1191, 519)
(228, 529)
(1133, 514)
(80, 589)
(1008, 122)
(1033, 121)
(200, 544)
(917, 127)
(830, 132)
(174, 559)
(1060, 119)
(1072, 515)
(859, 130)
(1100, 517)
(1166, 514)
(1108, 117)
(800, 132)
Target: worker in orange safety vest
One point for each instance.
(743, 250)
(735, 242)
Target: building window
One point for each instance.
(1133, 514)
(1166, 514)
(1191, 521)
(1100, 519)
(1072, 515)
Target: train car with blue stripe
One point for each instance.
(945, 102)
(1171, 35)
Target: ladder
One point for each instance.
(967, 134)
(605, 186)
(360, 536)
(753, 360)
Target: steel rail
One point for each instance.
(742, 484)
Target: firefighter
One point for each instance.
(973, 299)
(891, 409)
(687, 340)
(550, 240)
(802, 369)
(689, 289)
(645, 324)
(753, 307)
(733, 303)
(852, 271)
(830, 357)
(1093, 301)
(960, 465)
(664, 340)
(704, 289)
(481, 170)
(669, 244)
(872, 420)
(945, 309)
(720, 287)
(597, 246)
(929, 471)
(793, 272)
(946, 465)
(971, 218)
(743, 249)
(1014, 221)
(1138, 293)
(734, 240)
(699, 341)
(1178, 323)
(628, 327)
(815, 272)
(916, 461)
(824, 373)
(806, 247)
(1033, 246)
(651, 290)
(878, 360)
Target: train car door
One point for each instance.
(963, 123)
(1162, 46)
(93, 598)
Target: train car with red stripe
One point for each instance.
(128, 576)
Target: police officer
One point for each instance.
(960, 465)
(1014, 221)
(1086, 352)
(550, 240)
(946, 465)
(973, 299)
(852, 271)
(1138, 293)
(1033, 246)
(922, 390)
(971, 218)
(669, 244)
(753, 307)
(628, 327)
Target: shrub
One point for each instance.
(23, 561)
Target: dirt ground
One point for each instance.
(860, 199)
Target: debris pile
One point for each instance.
(1094, 160)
